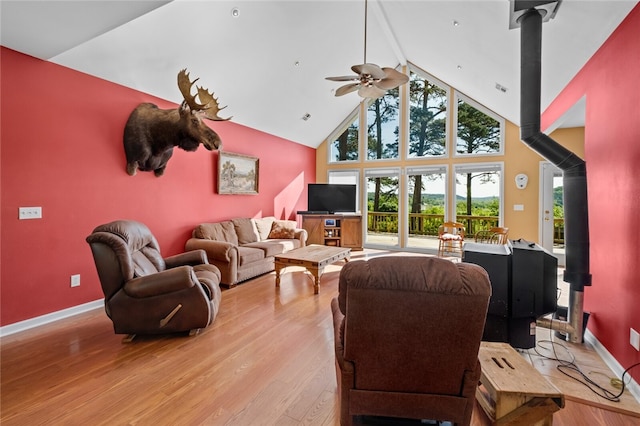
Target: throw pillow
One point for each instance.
(283, 229)
(263, 225)
(220, 231)
(246, 230)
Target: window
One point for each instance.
(427, 117)
(345, 146)
(478, 196)
(479, 131)
(383, 123)
(426, 204)
(382, 206)
(347, 177)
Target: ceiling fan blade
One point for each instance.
(395, 74)
(393, 79)
(371, 69)
(343, 78)
(347, 88)
(371, 92)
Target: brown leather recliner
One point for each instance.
(145, 293)
(407, 334)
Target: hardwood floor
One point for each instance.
(267, 360)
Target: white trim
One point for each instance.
(48, 318)
(613, 364)
(388, 32)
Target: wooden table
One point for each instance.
(511, 391)
(314, 258)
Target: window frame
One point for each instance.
(373, 172)
(354, 116)
(426, 76)
(423, 170)
(364, 136)
(457, 96)
(477, 167)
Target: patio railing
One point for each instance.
(427, 224)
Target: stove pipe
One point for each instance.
(574, 174)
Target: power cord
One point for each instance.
(569, 365)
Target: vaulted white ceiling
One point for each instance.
(268, 64)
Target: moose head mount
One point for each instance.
(151, 133)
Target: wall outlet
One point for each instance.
(29, 213)
(518, 207)
(635, 339)
(75, 280)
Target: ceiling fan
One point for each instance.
(372, 81)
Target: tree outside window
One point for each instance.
(382, 126)
(478, 132)
(345, 146)
(427, 118)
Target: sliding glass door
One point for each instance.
(426, 205)
(478, 196)
(383, 192)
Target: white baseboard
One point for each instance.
(45, 319)
(613, 364)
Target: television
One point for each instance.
(331, 198)
(524, 282)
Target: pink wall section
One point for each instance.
(62, 150)
(612, 152)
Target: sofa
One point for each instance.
(244, 248)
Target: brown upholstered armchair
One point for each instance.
(407, 334)
(145, 293)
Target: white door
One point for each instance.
(548, 174)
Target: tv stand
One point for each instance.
(338, 230)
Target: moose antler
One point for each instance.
(184, 84)
(210, 105)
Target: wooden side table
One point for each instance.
(512, 391)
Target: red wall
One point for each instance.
(612, 153)
(62, 150)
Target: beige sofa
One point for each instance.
(244, 248)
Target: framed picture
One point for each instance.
(237, 173)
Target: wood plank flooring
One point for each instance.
(267, 360)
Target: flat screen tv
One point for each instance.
(331, 198)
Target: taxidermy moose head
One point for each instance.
(151, 133)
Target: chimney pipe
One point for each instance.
(573, 168)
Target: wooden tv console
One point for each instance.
(339, 230)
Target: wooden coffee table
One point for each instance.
(314, 258)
